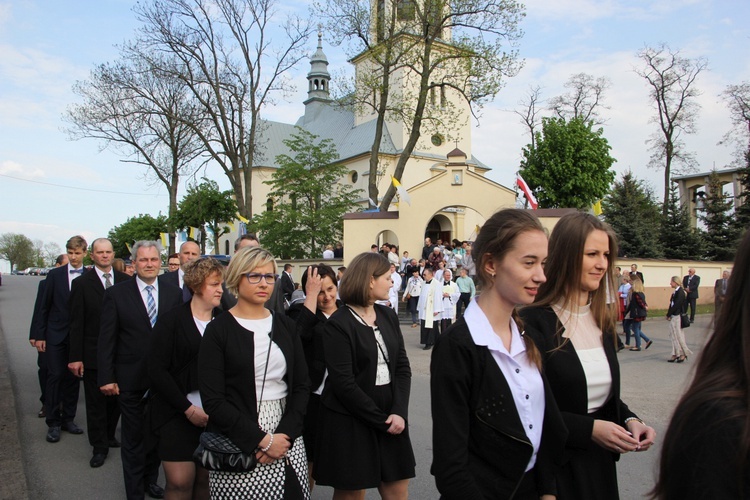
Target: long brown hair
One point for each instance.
(722, 373)
(565, 266)
(495, 239)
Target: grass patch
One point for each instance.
(701, 309)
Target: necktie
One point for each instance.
(76, 271)
(151, 305)
(107, 281)
(724, 287)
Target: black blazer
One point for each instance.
(54, 324)
(125, 336)
(36, 316)
(567, 378)
(228, 300)
(310, 329)
(693, 284)
(226, 377)
(287, 286)
(678, 302)
(173, 363)
(86, 297)
(480, 448)
(352, 358)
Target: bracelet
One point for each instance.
(264, 450)
(634, 418)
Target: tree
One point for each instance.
(141, 227)
(737, 98)
(583, 99)
(148, 116)
(720, 236)
(233, 56)
(205, 206)
(679, 239)
(420, 49)
(50, 252)
(308, 199)
(741, 219)
(632, 212)
(671, 79)
(530, 111)
(570, 166)
(17, 249)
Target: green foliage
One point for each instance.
(720, 235)
(204, 206)
(569, 166)
(741, 220)
(679, 239)
(308, 200)
(633, 213)
(17, 249)
(141, 227)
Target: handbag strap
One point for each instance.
(268, 356)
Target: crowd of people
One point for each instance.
(315, 388)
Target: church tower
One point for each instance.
(318, 78)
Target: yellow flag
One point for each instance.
(597, 208)
(164, 239)
(192, 233)
(402, 194)
(242, 219)
(130, 249)
(232, 226)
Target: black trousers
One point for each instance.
(62, 386)
(140, 463)
(41, 363)
(102, 413)
(463, 302)
(691, 304)
(428, 336)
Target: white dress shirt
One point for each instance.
(72, 276)
(101, 273)
(144, 294)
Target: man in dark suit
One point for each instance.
(720, 292)
(188, 251)
(129, 312)
(690, 283)
(54, 339)
(635, 273)
(36, 324)
(86, 296)
(287, 283)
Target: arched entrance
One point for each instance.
(454, 222)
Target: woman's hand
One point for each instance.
(397, 424)
(196, 416)
(279, 447)
(312, 288)
(643, 433)
(612, 437)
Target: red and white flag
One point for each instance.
(527, 192)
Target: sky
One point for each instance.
(52, 188)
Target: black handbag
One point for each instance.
(684, 320)
(217, 452)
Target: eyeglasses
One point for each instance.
(254, 278)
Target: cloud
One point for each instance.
(6, 12)
(15, 169)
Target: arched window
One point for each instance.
(226, 247)
(269, 205)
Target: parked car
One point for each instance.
(35, 271)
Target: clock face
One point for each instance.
(437, 140)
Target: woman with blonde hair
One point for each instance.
(574, 325)
(255, 386)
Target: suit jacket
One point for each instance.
(352, 357)
(310, 330)
(228, 300)
(226, 376)
(481, 449)
(36, 317)
(639, 275)
(173, 363)
(54, 325)
(125, 336)
(567, 379)
(719, 294)
(678, 302)
(691, 282)
(86, 297)
(287, 286)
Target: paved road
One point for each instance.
(650, 386)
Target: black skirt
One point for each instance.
(177, 439)
(351, 455)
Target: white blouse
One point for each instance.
(382, 375)
(275, 387)
(586, 337)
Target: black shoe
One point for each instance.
(97, 460)
(427, 348)
(114, 443)
(53, 434)
(648, 344)
(71, 427)
(155, 491)
(42, 413)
